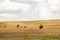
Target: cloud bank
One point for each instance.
(29, 9)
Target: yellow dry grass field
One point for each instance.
(50, 27)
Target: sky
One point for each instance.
(16, 10)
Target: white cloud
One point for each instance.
(54, 5)
(32, 1)
(8, 6)
(8, 15)
(27, 1)
(11, 6)
(44, 13)
(49, 10)
(24, 8)
(39, 1)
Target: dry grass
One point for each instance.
(51, 27)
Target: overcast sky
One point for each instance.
(29, 10)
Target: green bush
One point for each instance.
(24, 26)
(17, 25)
(41, 26)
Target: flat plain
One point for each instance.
(29, 30)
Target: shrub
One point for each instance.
(41, 26)
(24, 26)
(17, 25)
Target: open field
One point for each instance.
(32, 37)
(29, 30)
